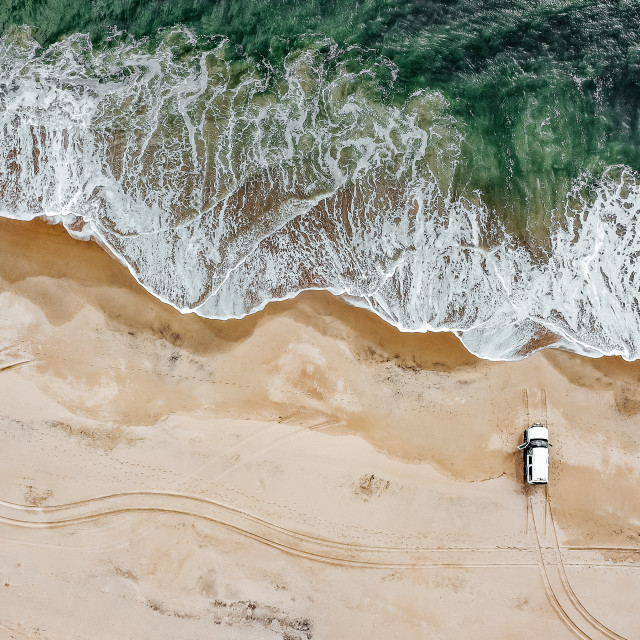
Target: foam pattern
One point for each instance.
(223, 184)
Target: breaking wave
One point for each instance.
(223, 184)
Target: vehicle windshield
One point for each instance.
(538, 443)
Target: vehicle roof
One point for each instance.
(537, 431)
(540, 464)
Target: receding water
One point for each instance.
(464, 166)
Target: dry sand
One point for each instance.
(307, 472)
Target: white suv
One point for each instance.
(536, 454)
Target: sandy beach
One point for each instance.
(308, 472)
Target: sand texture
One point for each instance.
(304, 473)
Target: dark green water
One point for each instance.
(542, 91)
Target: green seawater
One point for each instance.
(542, 92)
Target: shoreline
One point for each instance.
(316, 417)
(107, 287)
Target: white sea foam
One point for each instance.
(223, 185)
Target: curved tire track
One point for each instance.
(293, 542)
(594, 624)
(612, 635)
(576, 611)
(551, 596)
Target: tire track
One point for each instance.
(307, 546)
(612, 635)
(576, 610)
(310, 547)
(584, 613)
(536, 403)
(525, 400)
(551, 596)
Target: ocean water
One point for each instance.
(463, 166)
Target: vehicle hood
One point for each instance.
(535, 433)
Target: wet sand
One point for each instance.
(306, 472)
